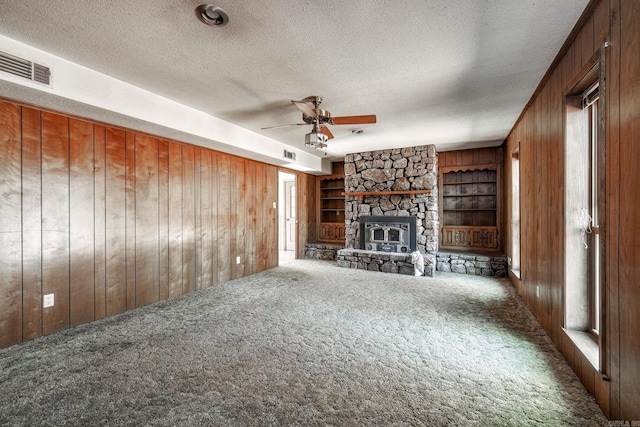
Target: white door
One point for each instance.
(290, 215)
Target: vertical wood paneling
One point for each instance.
(527, 157)
(544, 205)
(241, 216)
(214, 218)
(619, 22)
(175, 219)
(587, 48)
(577, 52)
(116, 228)
(258, 222)
(206, 215)
(600, 24)
(130, 215)
(198, 243)
(261, 206)
(108, 220)
(250, 244)
(31, 224)
(55, 220)
(556, 201)
(567, 69)
(233, 217)
(99, 220)
(147, 247)
(188, 219)
(224, 231)
(306, 190)
(270, 224)
(629, 261)
(163, 218)
(302, 213)
(10, 226)
(81, 223)
(468, 157)
(613, 208)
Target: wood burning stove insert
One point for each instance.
(388, 233)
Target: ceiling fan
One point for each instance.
(320, 118)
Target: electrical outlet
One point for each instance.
(537, 291)
(274, 205)
(237, 260)
(47, 301)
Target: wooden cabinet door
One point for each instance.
(486, 238)
(461, 237)
(477, 238)
(491, 238)
(447, 237)
(455, 236)
(327, 232)
(340, 232)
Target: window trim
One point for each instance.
(594, 71)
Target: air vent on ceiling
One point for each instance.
(289, 155)
(24, 68)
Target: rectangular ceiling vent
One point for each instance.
(24, 68)
(289, 155)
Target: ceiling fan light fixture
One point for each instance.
(315, 139)
(212, 15)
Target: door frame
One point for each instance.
(281, 208)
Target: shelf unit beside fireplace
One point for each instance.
(470, 207)
(331, 208)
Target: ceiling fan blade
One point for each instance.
(327, 132)
(354, 120)
(305, 108)
(284, 126)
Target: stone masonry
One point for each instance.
(400, 169)
(391, 262)
(322, 251)
(469, 263)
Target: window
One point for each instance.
(515, 211)
(590, 103)
(584, 182)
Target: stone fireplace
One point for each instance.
(390, 188)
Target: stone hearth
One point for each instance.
(387, 262)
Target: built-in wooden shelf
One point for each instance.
(362, 194)
(470, 206)
(331, 206)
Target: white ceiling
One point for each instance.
(454, 73)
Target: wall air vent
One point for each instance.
(24, 68)
(289, 155)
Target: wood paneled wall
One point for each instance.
(109, 220)
(472, 157)
(307, 221)
(540, 135)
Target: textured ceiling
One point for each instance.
(454, 73)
